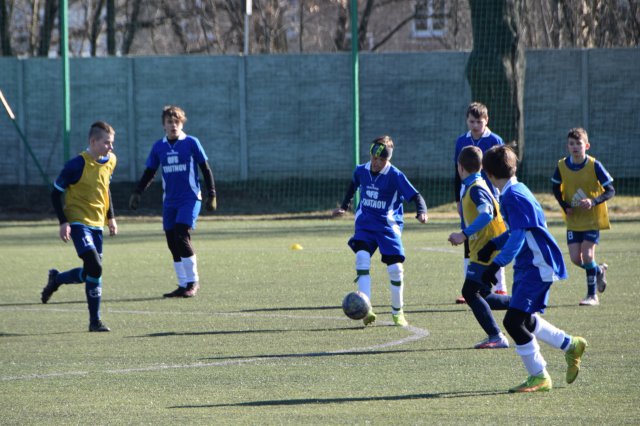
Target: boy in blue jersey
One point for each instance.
(582, 187)
(482, 222)
(538, 264)
(379, 221)
(84, 185)
(481, 136)
(178, 154)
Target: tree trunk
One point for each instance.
(111, 27)
(131, 28)
(50, 12)
(95, 27)
(496, 66)
(5, 34)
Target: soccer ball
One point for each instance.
(356, 305)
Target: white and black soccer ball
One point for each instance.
(356, 305)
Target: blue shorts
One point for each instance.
(580, 236)
(186, 213)
(388, 242)
(86, 238)
(474, 273)
(530, 297)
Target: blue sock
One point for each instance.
(483, 315)
(93, 290)
(72, 276)
(592, 270)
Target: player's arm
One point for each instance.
(609, 192)
(556, 187)
(346, 201)
(70, 174)
(143, 184)
(421, 208)
(207, 174)
(605, 180)
(484, 205)
(111, 217)
(457, 185)
(509, 250)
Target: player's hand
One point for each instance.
(422, 218)
(65, 232)
(339, 212)
(113, 227)
(134, 201)
(489, 274)
(569, 211)
(457, 238)
(587, 203)
(211, 204)
(484, 254)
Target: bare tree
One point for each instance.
(5, 34)
(495, 69)
(50, 12)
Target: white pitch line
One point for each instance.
(416, 334)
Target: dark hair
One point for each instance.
(500, 161)
(100, 126)
(478, 110)
(383, 140)
(470, 158)
(578, 133)
(173, 111)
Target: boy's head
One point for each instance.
(101, 138)
(477, 119)
(173, 112)
(470, 159)
(500, 162)
(578, 136)
(381, 151)
(173, 119)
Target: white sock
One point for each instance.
(549, 333)
(363, 263)
(180, 275)
(501, 284)
(190, 269)
(396, 276)
(531, 357)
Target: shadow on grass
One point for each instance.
(223, 332)
(308, 401)
(73, 302)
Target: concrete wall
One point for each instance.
(290, 115)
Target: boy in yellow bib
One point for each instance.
(482, 222)
(582, 186)
(83, 184)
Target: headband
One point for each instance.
(380, 150)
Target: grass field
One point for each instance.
(265, 341)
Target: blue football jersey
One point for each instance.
(381, 198)
(539, 258)
(486, 141)
(178, 163)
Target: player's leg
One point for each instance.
(460, 300)
(185, 221)
(527, 299)
(501, 286)
(591, 240)
(587, 252)
(88, 244)
(169, 214)
(392, 251)
(472, 292)
(573, 346)
(395, 269)
(363, 247)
